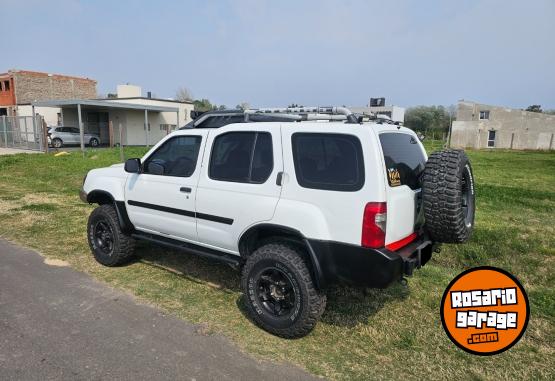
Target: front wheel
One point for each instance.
(108, 244)
(279, 291)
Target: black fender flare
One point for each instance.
(292, 235)
(102, 197)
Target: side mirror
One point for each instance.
(155, 168)
(133, 165)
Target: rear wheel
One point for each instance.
(281, 297)
(108, 244)
(93, 142)
(448, 196)
(57, 143)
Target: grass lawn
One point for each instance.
(382, 334)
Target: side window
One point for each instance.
(73, 130)
(328, 161)
(178, 156)
(245, 157)
(484, 114)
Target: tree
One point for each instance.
(430, 119)
(534, 108)
(203, 105)
(183, 94)
(243, 106)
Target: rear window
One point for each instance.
(328, 161)
(404, 159)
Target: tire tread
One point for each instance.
(291, 256)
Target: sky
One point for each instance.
(274, 53)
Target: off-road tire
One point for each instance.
(123, 245)
(447, 184)
(310, 302)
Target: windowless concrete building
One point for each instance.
(484, 126)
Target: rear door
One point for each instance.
(237, 186)
(404, 161)
(64, 134)
(75, 135)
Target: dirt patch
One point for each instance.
(55, 262)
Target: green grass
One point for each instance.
(381, 334)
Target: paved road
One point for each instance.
(57, 323)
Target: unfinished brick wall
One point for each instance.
(34, 86)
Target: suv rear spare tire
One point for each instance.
(448, 196)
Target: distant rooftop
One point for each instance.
(147, 98)
(105, 103)
(44, 74)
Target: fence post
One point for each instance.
(27, 131)
(44, 134)
(5, 130)
(120, 144)
(111, 133)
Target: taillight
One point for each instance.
(373, 225)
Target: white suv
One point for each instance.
(296, 206)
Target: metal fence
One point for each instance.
(22, 132)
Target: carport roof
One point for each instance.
(102, 103)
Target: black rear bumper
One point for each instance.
(364, 267)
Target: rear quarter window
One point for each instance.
(328, 161)
(404, 159)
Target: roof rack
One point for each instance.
(220, 118)
(308, 113)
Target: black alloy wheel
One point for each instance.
(275, 292)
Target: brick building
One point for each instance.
(18, 88)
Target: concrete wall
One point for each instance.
(32, 86)
(514, 129)
(167, 117)
(126, 91)
(50, 114)
(131, 123)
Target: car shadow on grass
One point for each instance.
(346, 306)
(189, 266)
(349, 306)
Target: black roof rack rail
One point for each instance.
(220, 118)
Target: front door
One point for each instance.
(237, 186)
(161, 199)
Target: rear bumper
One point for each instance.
(364, 267)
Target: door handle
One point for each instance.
(185, 189)
(279, 178)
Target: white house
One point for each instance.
(130, 118)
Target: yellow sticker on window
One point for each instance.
(394, 177)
